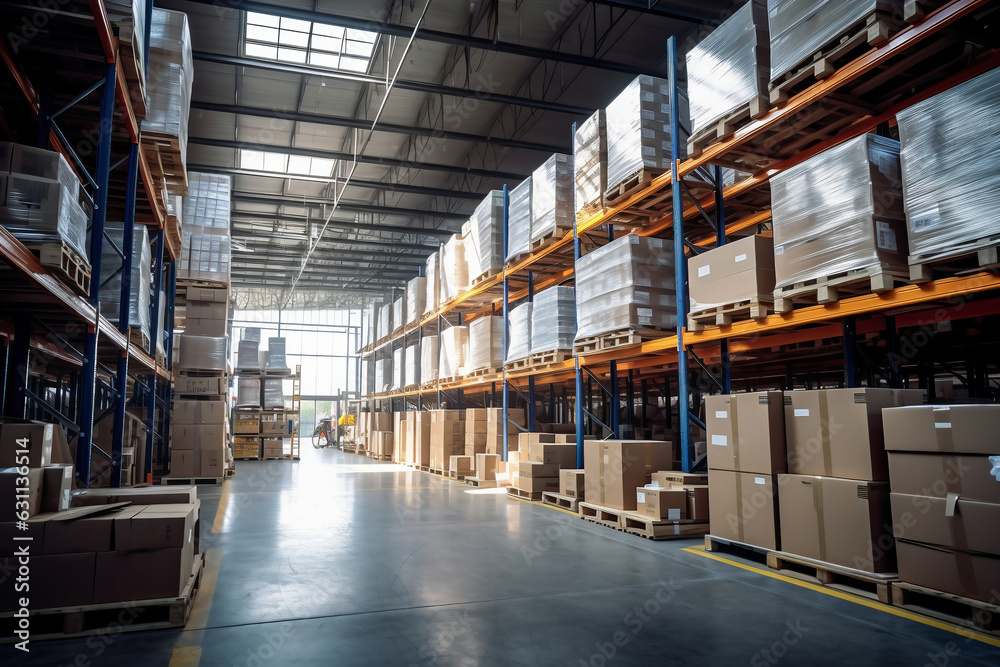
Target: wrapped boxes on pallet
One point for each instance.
(248, 392)
(454, 343)
(416, 292)
(432, 272)
(552, 197)
(139, 277)
(276, 362)
(951, 187)
(519, 332)
(274, 393)
(553, 320)
(248, 355)
(411, 375)
(384, 329)
(730, 67)
(398, 368)
(399, 312)
(428, 359)
(202, 353)
(484, 245)
(454, 269)
(205, 243)
(485, 343)
(170, 75)
(590, 155)
(382, 378)
(638, 123)
(740, 271)
(626, 284)
(800, 28)
(838, 212)
(371, 312)
(519, 220)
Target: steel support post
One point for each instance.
(506, 310)
(850, 341)
(614, 403)
(18, 363)
(552, 404)
(720, 237)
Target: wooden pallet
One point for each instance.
(481, 483)
(974, 614)
(828, 290)
(605, 516)
(726, 126)
(423, 468)
(634, 183)
(483, 277)
(521, 494)
(590, 208)
(483, 372)
(452, 378)
(874, 30)
(549, 238)
(914, 11)
(229, 472)
(752, 552)
(459, 475)
(657, 529)
(550, 357)
(166, 159)
(560, 501)
(99, 619)
(518, 364)
(128, 50)
(246, 458)
(981, 255)
(848, 579)
(756, 308)
(615, 339)
(65, 263)
(190, 481)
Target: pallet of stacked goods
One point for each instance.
(411, 362)
(590, 164)
(553, 326)
(416, 299)
(428, 361)
(484, 244)
(517, 356)
(418, 439)
(200, 437)
(398, 314)
(447, 439)
(731, 283)
(518, 222)
(380, 435)
(485, 346)
(432, 272)
(454, 270)
(453, 344)
(552, 215)
(139, 281)
(128, 18)
(540, 458)
(673, 504)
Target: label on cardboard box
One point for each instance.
(718, 439)
(759, 480)
(721, 414)
(673, 514)
(640, 497)
(885, 238)
(942, 424)
(704, 270)
(740, 258)
(802, 412)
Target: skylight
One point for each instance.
(306, 43)
(282, 163)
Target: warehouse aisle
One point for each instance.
(341, 560)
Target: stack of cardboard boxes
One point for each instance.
(379, 437)
(199, 432)
(447, 438)
(541, 457)
(614, 469)
(399, 437)
(674, 496)
(418, 439)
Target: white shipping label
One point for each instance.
(641, 298)
(889, 166)
(721, 414)
(719, 439)
(607, 459)
(942, 425)
(740, 258)
(885, 238)
(704, 270)
(922, 221)
(640, 497)
(673, 514)
(644, 312)
(642, 282)
(759, 480)
(779, 250)
(802, 412)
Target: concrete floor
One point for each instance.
(340, 560)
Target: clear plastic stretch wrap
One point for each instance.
(384, 321)
(169, 77)
(398, 368)
(399, 312)
(382, 376)
(140, 276)
(484, 245)
(800, 28)
(276, 362)
(39, 198)
(552, 196)
(590, 155)
(412, 360)
(251, 333)
(428, 359)
(951, 184)
(454, 344)
(638, 122)
(454, 269)
(416, 293)
(519, 332)
(248, 392)
(729, 67)
(519, 220)
(839, 211)
(247, 357)
(432, 272)
(274, 393)
(626, 284)
(205, 246)
(553, 319)
(202, 353)
(371, 331)
(485, 343)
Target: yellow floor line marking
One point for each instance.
(186, 656)
(888, 609)
(220, 512)
(203, 602)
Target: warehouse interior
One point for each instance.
(547, 332)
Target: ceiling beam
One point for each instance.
(327, 288)
(401, 188)
(656, 8)
(482, 92)
(249, 263)
(424, 34)
(329, 240)
(284, 252)
(338, 224)
(279, 200)
(363, 159)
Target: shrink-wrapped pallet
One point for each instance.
(454, 343)
(168, 82)
(484, 245)
(411, 374)
(276, 362)
(384, 329)
(139, 276)
(382, 376)
(432, 271)
(519, 332)
(416, 292)
(590, 160)
(202, 353)
(248, 351)
(626, 284)
(730, 67)
(839, 211)
(485, 343)
(553, 319)
(454, 269)
(638, 122)
(371, 331)
(205, 243)
(248, 392)
(274, 393)
(800, 28)
(552, 197)
(428, 359)
(951, 185)
(519, 220)
(398, 368)
(399, 312)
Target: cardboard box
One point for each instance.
(476, 414)
(26, 444)
(744, 507)
(380, 421)
(969, 575)
(418, 439)
(486, 467)
(697, 503)
(538, 484)
(937, 475)
(141, 575)
(840, 521)
(83, 529)
(838, 432)
(12, 491)
(474, 438)
(746, 432)
(211, 412)
(212, 463)
(559, 454)
(143, 495)
(525, 440)
(213, 386)
(737, 271)
(669, 478)
(662, 504)
(513, 461)
(57, 485)
(955, 429)
(209, 294)
(278, 428)
(572, 484)
(953, 522)
(438, 416)
(515, 415)
(182, 462)
(462, 465)
(614, 468)
(214, 327)
(534, 469)
(65, 580)
(217, 310)
(156, 527)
